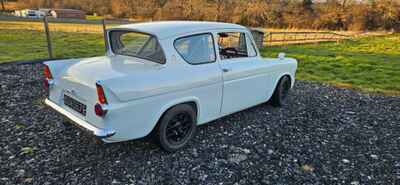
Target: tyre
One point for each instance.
(279, 98)
(176, 127)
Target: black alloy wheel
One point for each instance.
(176, 127)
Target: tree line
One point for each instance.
(301, 14)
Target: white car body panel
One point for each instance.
(140, 91)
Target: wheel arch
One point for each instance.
(291, 78)
(192, 101)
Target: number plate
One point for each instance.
(75, 105)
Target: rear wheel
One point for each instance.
(279, 98)
(176, 127)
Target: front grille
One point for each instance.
(75, 105)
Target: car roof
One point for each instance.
(165, 29)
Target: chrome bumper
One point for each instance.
(98, 132)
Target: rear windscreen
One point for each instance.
(136, 44)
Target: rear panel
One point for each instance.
(76, 98)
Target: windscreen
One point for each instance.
(136, 44)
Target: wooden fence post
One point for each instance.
(46, 29)
(3, 8)
(103, 22)
(284, 40)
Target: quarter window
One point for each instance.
(252, 49)
(196, 49)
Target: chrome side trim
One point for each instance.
(99, 132)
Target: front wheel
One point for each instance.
(176, 127)
(279, 98)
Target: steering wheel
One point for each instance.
(229, 52)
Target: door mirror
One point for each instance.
(281, 56)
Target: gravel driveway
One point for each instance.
(326, 136)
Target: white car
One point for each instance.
(164, 79)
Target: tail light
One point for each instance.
(47, 72)
(100, 94)
(100, 108)
(48, 76)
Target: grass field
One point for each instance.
(370, 64)
(37, 25)
(17, 45)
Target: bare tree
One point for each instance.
(325, 14)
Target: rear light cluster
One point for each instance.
(47, 72)
(48, 76)
(100, 108)
(100, 94)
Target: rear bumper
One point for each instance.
(98, 132)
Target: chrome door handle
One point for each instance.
(225, 70)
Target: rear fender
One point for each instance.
(110, 95)
(155, 117)
(177, 102)
(58, 67)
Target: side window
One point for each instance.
(196, 49)
(252, 52)
(232, 45)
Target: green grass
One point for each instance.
(17, 45)
(370, 64)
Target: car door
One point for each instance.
(202, 72)
(244, 83)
